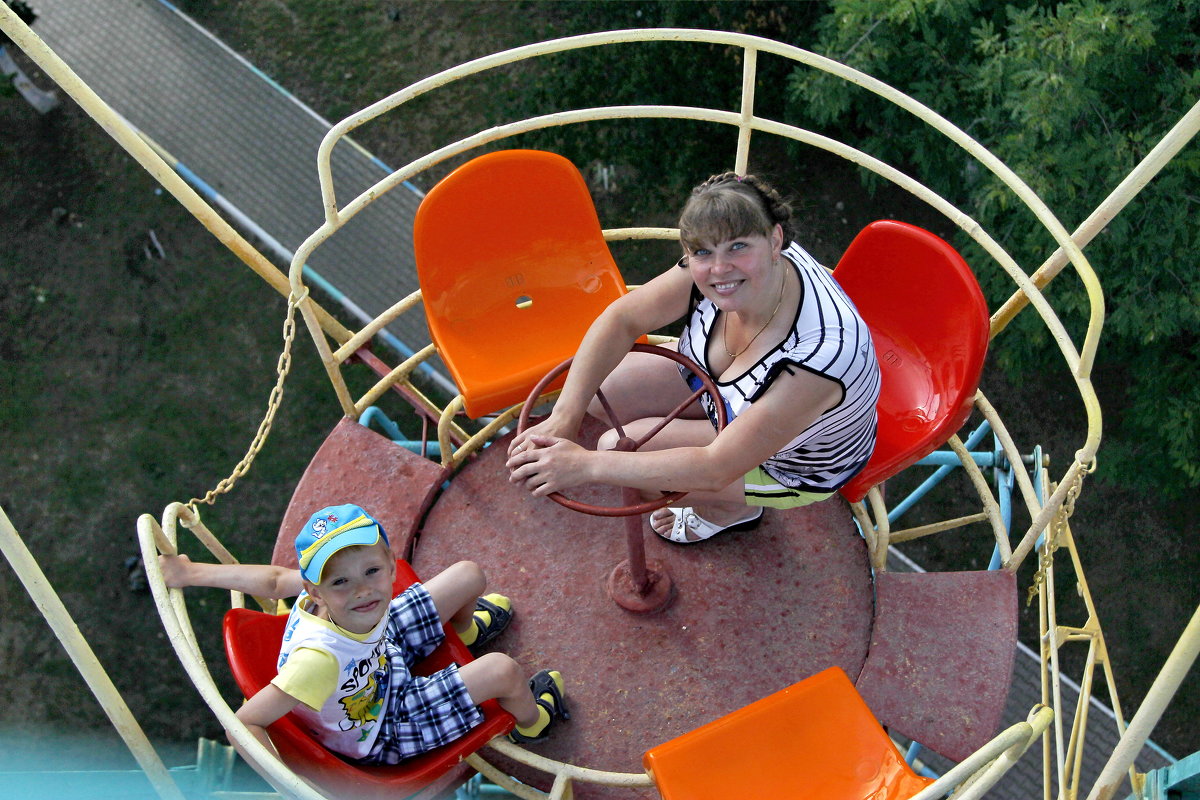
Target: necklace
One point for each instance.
(725, 330)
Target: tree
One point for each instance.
(1071, 96)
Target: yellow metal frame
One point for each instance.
(336, 345)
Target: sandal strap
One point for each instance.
(501, 616)
(543, 683)
(687, 517)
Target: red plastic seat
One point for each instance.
(252, 641)
(814, 739)
(513, 268)
(930, 324)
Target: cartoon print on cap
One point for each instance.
(321, 524)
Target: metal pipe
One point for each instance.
(1165, 685)
(938, 476)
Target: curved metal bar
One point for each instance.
(179, 632)
(1079, 362)
(980, 771)
(990, 506)
(751, 45)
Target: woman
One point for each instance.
(789, 353)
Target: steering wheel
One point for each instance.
(626, 443)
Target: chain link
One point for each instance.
(282, 367)
(1058, 530)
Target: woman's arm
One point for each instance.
(609, 339)
(791, 404)
(261, 580)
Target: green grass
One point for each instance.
(128, 383)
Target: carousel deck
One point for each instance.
(753, 612)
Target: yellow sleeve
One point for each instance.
(308, 675)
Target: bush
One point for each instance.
(1071, 96)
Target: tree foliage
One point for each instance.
(1071, 95)
(669, 154)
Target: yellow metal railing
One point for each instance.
(746, 122)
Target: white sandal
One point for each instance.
(687, 519)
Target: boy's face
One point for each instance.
(356, 586)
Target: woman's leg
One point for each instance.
(642, 386)
(641, 390)
(724, 507)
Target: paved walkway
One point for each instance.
(245, 143)
(252, 147)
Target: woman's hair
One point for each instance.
(729, 205)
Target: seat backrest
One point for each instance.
(930, 325)
(513, 268)
(816, 738)
(252, 641)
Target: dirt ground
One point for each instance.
(126, 381)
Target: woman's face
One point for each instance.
(738, 274)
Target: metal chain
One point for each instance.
(1058, 529)
(282, 368)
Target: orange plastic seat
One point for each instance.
(815, 739)
(252, 641)
(930, 324)
(513, 268)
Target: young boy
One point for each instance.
(349, 646)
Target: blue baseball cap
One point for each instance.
(332, 529)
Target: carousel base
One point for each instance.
(749, 614)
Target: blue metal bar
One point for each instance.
(1005, 495)
(390, 429)
(948, 458)
(476, 787)
(937, 477)
(910, 756)
(1037, 486)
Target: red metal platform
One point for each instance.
(754, 611)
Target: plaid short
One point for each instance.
(422, 712)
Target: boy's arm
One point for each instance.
(261, 580)
(258, 712)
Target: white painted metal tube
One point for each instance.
(1165, 685)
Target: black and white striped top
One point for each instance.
(829, 339)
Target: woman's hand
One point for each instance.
(550, 427)
(545, 464)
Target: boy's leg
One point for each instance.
(456, 595)
(454, 591)
(495, 676)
